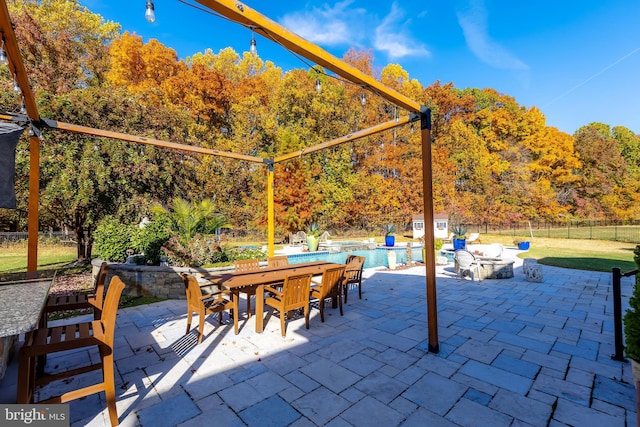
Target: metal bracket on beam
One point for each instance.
(425, 117)
(34, 130)
(269, 163)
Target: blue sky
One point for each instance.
(577, 61)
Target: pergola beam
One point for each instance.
(351, 137)
(148, 141)
(245, 15)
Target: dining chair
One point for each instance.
(55, 339)
(245, 266)
(78, 300)
(216, 302)
(293, 295)
(278, 261)
(330, 287)
(353, 275)
(465, 261)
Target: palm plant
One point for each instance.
(187, 219)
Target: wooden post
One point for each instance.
(430, 258)
(270, 209)
(34, 205)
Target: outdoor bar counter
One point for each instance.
(21, 303)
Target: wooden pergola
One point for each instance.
(243, 15)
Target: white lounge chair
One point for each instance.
(473, 238)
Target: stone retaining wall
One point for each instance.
(152, 281)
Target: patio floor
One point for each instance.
(512, 353)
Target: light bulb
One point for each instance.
(363, 99)
(149, 15)
(253, 48)
(16, 86)
(23, 109)
(318, 86)
(3, 55)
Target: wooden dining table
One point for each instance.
(265, 276)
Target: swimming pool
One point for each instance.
(373, 257)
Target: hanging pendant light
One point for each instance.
(318, 86)
(363, 99)
(16, 86)
(149, 14)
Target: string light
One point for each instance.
(149, 14)
(16, 86)
(363, 99)
(318, 86)
(253, 47)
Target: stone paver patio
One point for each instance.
(512, 353)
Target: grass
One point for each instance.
(13, 258)
(580, 254)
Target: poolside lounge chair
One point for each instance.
(299, 238)
(473, 238)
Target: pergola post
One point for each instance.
(270, 209)
(429, 233)
(34, 202)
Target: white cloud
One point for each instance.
(329, 26)
(343, 25)
(390, 38)
(474, 27)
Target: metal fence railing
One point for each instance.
(628, 231)
(9, 237)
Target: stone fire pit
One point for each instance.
(495, 268)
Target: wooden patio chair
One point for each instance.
(44, 341)
(466, 261)
(330, 287)
(79, 300)
(294, 295)
(278, 261)
(353, 275)
(244, 266)
(216, 302)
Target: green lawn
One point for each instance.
(13, 258)
(581, 254)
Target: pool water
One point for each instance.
(373, 257)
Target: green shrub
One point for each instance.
(632, 316)
(149, 239)
(112, 239)
(437, 244)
